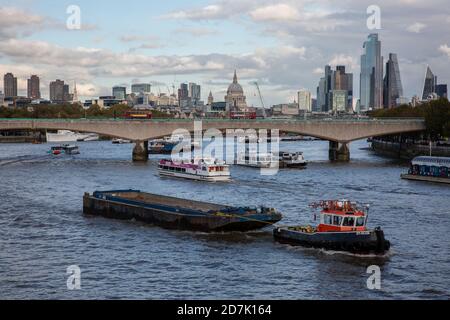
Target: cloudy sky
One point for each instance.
(282, 44)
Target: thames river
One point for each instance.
(43, 230)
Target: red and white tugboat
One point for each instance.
(342, 228)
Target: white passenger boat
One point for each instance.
(257, 160)
(292, 160)
(201, 169)
(70, 136)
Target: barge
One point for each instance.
(342, 228)
(175, 213)
(429, 169)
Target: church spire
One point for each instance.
(235, 77)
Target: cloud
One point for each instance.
(416, 27)
(196, 32)
(206, 13)
(445, 49)
(18, 23)
(344, 60)
(280, 11)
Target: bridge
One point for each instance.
(340, 132)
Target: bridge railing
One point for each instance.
(362, 120)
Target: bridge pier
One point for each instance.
(140, 151)
(339, 151)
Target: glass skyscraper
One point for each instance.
(371, 81)
(429, 86)
(393, 89)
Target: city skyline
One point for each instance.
(201, 44)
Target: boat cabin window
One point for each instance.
(360, 222)
(327, 219)
(337, 220)
(349, 222)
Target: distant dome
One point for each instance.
(235, 87)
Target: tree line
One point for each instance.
(70, 111)
(436, 114)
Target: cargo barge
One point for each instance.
(175, 213)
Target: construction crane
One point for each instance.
(261, 98)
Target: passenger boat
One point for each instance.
(70, 136)
(292, 160)
(342, 228)
(257, 160)
(175, 213)
(198, 169)
(431, 169)
(120, 141)
(64, 149)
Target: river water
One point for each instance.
(43, 230)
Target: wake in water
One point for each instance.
(26, 158)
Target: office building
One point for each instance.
(33, 88)
(120, 93)
(371, 80)
(338, 101)
(441, 91)
(59, 91)
(429, 86)
(141, 88)
(194, 93)
(10, 85)
(392, 88)
(304, 101)
(334, 80)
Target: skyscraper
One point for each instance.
(183, 96)
(33, 87)
(59, 91)
(10, 85)
(429, 86)
(141, 88)
(441, 91)
(371, 81)
(119, 92)
(304, 100)
(392, 89)
(344, 82)
(334, 80)
(194, 93)
(321, 95)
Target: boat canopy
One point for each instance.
(432, 161)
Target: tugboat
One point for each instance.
(342, 228)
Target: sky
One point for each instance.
(283, 45)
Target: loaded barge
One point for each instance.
(342, 228)
(176, 213)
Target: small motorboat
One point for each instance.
(342, 228)
(64, 149)
(56, 151)
(292, 160)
